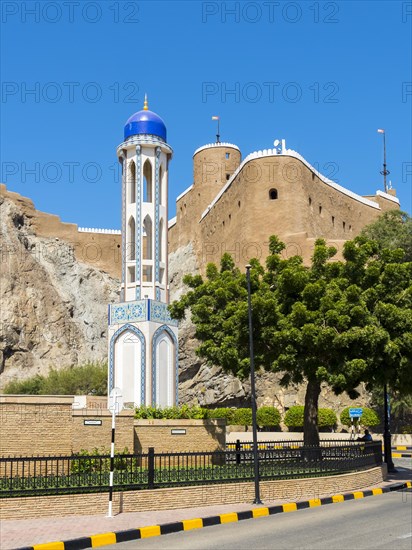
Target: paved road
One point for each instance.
(380, 522)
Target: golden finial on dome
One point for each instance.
(145, 105)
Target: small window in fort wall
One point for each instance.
(238, 203)
(320, 210)
(273, 194)
(344, 225)
(228, 155)
(227, 177)
(333, 220)
(310, 201)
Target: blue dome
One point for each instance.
(145, 122)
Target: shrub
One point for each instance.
(327, 418)
(175, 412)
(268, 416)
(223, 412)
(242, 417)
(87, 379)
(368, 418)
(294, 417)
(96, 465)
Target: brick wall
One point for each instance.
(200, 435)
(48, 425)
(187, 497)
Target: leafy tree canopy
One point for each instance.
(335, 322)
(392, 230)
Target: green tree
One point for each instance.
(392, 230)
(334, 322)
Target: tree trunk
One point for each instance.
(310, 422)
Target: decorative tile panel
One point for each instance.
(160, 314)
(128, 312)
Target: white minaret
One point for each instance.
(143, 347)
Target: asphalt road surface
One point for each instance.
(379, 522)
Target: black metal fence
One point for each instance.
(29, 476)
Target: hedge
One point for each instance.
(266, 416)
(294, 417)
(368, 418)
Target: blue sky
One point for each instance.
(322, 75)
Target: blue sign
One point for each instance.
(355, 413)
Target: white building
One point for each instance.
(143, 346)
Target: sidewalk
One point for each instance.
(20, 533)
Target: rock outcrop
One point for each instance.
(53, 307)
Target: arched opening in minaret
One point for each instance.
(161, 187)
(147, 182)
(131, 182)
(131, 239)
(165, 371)
(147, 238)
(128, 366)
(161, 241)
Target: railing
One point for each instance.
(28, 476)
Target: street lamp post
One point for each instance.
(253, 392)
(387, 446)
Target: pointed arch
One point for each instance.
(139, 334)
(131, 182)
(147, 238)
(131, 239)
(161, 190)
(161, 241)
(147, 181)
(170, 377)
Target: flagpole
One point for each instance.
(384, 172)
(217, 118)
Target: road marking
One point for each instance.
(228, 518)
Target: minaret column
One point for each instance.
(138, 237)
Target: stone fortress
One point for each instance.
(234, 205)
(61, 277)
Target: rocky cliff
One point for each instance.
(53, 308)
(53, 313)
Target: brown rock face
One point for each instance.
(53, 307)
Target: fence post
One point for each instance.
(237, 451)
(151, 468)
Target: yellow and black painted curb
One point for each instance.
(104, 539)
